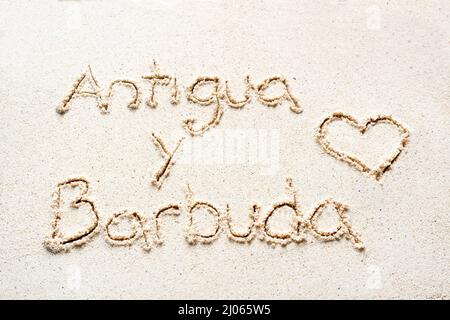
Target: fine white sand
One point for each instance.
(360, 58)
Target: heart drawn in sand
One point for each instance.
(378, 172)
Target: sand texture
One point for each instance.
(225, 149)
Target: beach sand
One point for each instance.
(363, 59)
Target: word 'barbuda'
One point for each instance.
(148, 228)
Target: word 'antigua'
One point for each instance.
(87, 86)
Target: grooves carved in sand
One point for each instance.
(352, 160)
(219, 95)
(149, 228)
(58, 241)
(161, 174)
